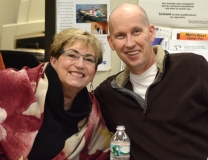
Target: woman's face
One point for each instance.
(74, 73)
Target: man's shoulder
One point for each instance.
(186, 55)
(186, 59)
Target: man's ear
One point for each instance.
(152, 32)
(110, 42)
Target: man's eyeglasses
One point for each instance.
(74, 55)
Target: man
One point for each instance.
(160, 98)
(92, 12)
(99, 13)
(101, 30)
(95, 30)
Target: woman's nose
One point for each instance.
(79, 62)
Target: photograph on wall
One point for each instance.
(99, 28)
(92, 16)
(87, 13)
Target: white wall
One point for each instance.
(8, 12)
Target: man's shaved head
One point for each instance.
(127, 8)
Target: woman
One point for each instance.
(95, 30)
(46, 112)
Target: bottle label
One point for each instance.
(120, 150)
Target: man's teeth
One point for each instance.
(132, 53)
(77, 74)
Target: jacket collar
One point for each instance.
(123, 77)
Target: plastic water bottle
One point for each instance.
(120, 145)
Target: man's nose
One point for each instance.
(130, 41)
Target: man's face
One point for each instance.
(132, 39)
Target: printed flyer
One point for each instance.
(177, 13)
(92, 16)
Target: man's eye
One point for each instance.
(137, 31)
(119, 36)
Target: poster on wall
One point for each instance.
(177, 13)
(92, 16)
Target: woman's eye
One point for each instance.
(72, 55)
(89, 59)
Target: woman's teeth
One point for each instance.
(77, 74)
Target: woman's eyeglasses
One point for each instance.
(74, 55)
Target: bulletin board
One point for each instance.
(91, 15)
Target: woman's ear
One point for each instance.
(53, 60)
